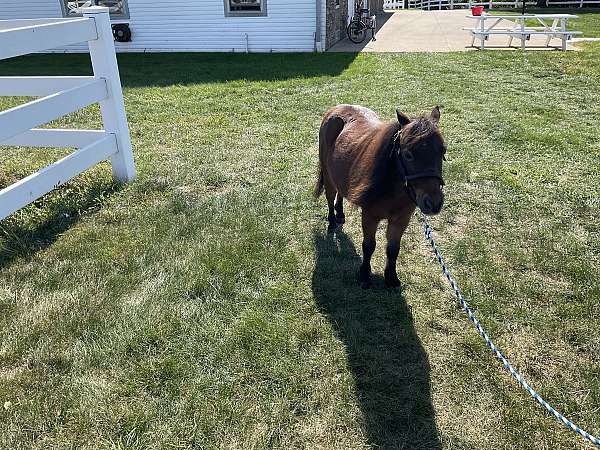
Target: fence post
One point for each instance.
(104, 64)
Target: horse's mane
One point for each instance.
(383, 167)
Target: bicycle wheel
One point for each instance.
(356, 32)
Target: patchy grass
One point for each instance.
(204, 305)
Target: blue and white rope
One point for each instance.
(516, 375)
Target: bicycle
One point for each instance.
(359, 24)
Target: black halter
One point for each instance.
(405, 175)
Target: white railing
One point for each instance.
(578, 3)
(491, 4)
(452, 4)
(59, 97)
(393, 4)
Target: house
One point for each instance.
(208, 25)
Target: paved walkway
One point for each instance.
(428, 31)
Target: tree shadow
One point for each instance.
(167, 69)
(24, 238)
(385, 355)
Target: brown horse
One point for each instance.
(385, 168)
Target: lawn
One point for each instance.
(204, 305)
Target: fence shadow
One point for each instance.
(166, 69)
(22, 239)
(389, 365)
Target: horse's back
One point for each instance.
(350, 149)
(353, 115)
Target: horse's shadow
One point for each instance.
(389, 365)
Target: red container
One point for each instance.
(477, 10)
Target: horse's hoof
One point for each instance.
(392, 283)
(364, 278)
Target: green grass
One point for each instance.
(205, 306)
(588, 21)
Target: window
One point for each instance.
(245, 8)
(117, 8)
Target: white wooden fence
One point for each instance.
(393, 4)
(59, 97)
(573, 3)
(490, 4)
(452, 4)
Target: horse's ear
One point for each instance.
(435, 115)
(403, 119)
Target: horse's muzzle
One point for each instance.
(430, 206)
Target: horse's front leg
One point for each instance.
(369, 226)
(339, 209)
(396, 227)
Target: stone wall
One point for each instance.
(336, 20)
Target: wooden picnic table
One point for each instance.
(550, 25)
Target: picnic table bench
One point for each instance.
(550, 25)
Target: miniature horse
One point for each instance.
(385, 168)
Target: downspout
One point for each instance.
(318, 42)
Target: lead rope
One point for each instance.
(507, 365)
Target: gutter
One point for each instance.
(318, 42)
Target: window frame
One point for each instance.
(113, 16)
(230, 13)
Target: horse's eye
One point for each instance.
(408, 156)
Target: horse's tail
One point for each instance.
(320, 184)
(331, 127)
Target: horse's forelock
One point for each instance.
(419, 128)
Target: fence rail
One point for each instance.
(60, 96)
(491, 4)
(579, 3)
(393, 4)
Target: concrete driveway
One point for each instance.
(428, 31)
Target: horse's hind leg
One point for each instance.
(330, 129)
(330, 192)
(339, 209)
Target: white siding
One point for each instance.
(198, 25)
